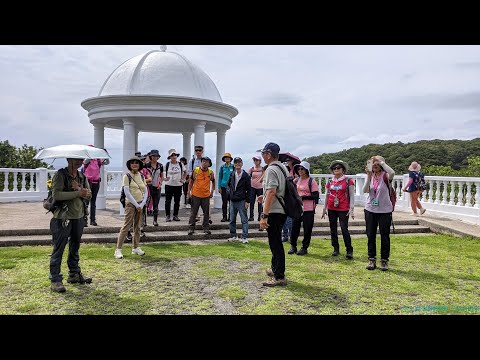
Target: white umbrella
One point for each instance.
(72, 152)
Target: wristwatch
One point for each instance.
(263, 216)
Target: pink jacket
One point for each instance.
(92, 170)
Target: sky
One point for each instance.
(310, 99)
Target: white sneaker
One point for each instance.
(244, 241)
(233, 238)
(118, 254)
(422, 211)
(138, 251)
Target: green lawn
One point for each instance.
(428, 275)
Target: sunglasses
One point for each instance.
(336, 168)
(300, 168)
(198, 150)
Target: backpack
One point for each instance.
(197, 169)
(420, 183)
(310, 180)
(292, 203)
(122, 194)
(393, 193)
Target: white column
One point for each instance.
(99, 141)
(187, 145)
(217, 198)
(129, 134)
(136, 141)
(199, 135)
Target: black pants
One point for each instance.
(225, 212)
(204, 203)
(95, 187)
(185, 191)
(71, 233)
(383, 221)
(253, 196)
(274, 231)
(307, 219)
(176, 193)
(333, 215)
(155, 194)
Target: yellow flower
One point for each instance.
(49, 184)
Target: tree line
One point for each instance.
(437, 157)
(21, 158)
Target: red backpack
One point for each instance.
(393, 193)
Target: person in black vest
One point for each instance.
(156, 171)
(239, 188)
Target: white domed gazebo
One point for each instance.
(160, 91)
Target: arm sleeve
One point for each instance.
(366, 187)
(389, 170)
(130, 197)
(410, 181)
(351, 193)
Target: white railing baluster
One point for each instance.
(452, 193)
(477, 195)
(15, 181)
(5, 182)
(460, 194)
(23, 182)
(468, 196)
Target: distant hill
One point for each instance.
(452, 153)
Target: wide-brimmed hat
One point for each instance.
(257, 157)
(172, 152)
(414, 166)
(303, 164)
(140, 167)
(339, 162)
(227, 155)
(154, 153)
(209, 160)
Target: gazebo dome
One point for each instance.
(158, 72)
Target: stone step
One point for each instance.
(178, 226)
(181, 235)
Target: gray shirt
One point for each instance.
(275, 179)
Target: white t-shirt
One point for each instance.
(175, 174)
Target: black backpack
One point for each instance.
(316, 194)
(122, 194)
(292, 202)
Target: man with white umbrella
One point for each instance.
(70, 187)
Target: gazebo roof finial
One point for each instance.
(163, 48)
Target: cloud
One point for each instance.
(279, 100)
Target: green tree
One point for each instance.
(23, 158)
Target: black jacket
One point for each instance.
(242, 192)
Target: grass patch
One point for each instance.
(428, 275)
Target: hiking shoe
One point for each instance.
(383, 265)
(285, 239)
(138, 251)
(207, 232)
(302, 251)
(293, 250)
(250, 218)
(155, 223)
(223, 220)
(175, 218)
(78, 278)
(275, 282)
(191, 232)
(335, 253)
(349, 255)
(372, 264)
(58, 287)
(422, 211)
(244, 241)
(167, 219)
(270, 273)
(118, 254)
(93, 223)
(233, 238)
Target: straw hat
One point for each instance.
(172, 152)
(140, 167)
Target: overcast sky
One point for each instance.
(308, 99)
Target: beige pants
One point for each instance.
(132, 215)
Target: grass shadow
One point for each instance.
(422, 276)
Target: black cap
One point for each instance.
(154, 153)
(237, 159)
(208, 159)
(271, 147)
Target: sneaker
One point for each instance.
(372, 264)
(188, 206)
(285, 239)
(293, 250)
(155, 223)
(335, 253)
(261, 230)
(191, 232)
(250, 218)
(302, 251)
(78, 278)
(383, 265)
(223, 220)
(175, 218)
(118, 254)
(167, 219)
(275, 282)
(244, 241)
(207, 232)
(270, 273)
(142, 234)
(422, 211)
(58, 287)
(349, 255)
(233, 238)
(138, 251)
(93, 223)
